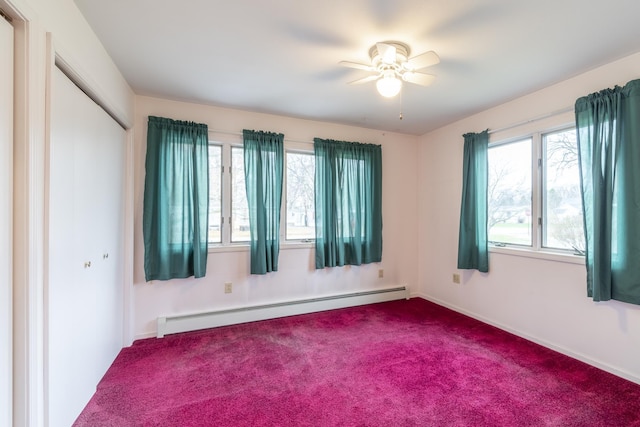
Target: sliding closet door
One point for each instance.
(84, 293)
(6, 228)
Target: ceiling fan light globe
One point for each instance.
(389, 86)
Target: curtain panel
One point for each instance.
(348, 203)
(608, 130)
(176, 199)
(473, 245)
(263, 169)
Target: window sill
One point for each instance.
(297, 245)
(244, 247)
(546, 255)
(237, 247)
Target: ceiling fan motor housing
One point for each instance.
(381, 58)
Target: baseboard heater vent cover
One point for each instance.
(196, 321)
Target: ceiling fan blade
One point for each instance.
(421, 79)
(387, 52)
(365, 80)
(356, 65)
(423, 60)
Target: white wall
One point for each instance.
(6, 220)
(543, 300)
(296, 277)
(78, 46)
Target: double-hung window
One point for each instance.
(534, 193)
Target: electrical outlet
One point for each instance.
(456, 278)
(228, 288)
(380, 274)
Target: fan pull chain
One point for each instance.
(401, 90)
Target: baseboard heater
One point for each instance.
(193, 322)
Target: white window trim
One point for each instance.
(236, 247)
(549, 255)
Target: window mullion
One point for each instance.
(536, 191)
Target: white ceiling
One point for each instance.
(281, 56)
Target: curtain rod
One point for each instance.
(229, 132)
(535, 119)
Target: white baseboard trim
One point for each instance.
(195, 321)
(143, 336)
(563, 350)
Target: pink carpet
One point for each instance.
(402, 363)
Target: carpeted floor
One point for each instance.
(401, 363)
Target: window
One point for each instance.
(300, 203)
(348, 203)
(509, 193)
(215, 193)
(227, 195)
(228, 208)
(534, 193)
(239, 209)
(562, 224)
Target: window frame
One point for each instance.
(227, 142)
(544, 175)
(534, 213)
(538, 192)
(284, 214)
(230, 180)
(222, 190)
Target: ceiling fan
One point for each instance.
(391, 64)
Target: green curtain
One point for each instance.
(608, 129)
(263, 168)
(473, 246)
(176, 199)
(348, 197)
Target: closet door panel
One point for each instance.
(108, 215)
(70, 298)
